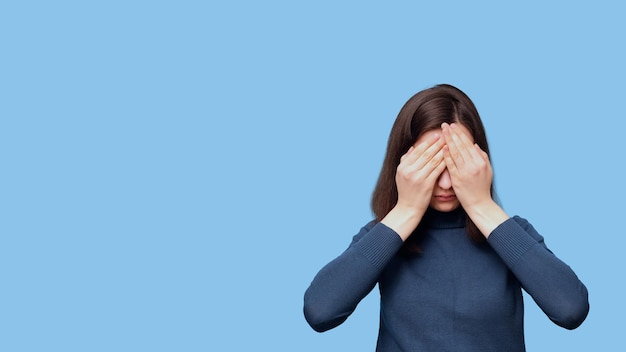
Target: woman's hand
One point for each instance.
(416, 175)
(469, 167)
(418, 171)
(471, 174)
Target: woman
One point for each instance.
(449, 262)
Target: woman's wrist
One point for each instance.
(403, 220)
(486, 216)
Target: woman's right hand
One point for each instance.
(416, 176)
(418, 171)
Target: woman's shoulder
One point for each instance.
(375, 231)
(364, 230)
(521, 221)
(528, 227)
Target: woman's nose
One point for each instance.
(444, 180)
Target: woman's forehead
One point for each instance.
(429, 133)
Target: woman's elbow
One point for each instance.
(321, 317)
(573, 314)
(316, 320)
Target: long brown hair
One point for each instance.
(423, 112)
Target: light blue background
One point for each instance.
(174, 173)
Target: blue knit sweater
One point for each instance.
(456, 295)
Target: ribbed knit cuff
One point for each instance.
(510, 241)
(379, 245)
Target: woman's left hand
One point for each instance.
(471, 175)
(469, 167)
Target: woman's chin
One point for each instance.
(444, 206)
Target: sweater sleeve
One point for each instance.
(550, 282)
(340, 285)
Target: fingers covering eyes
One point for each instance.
(426, 150)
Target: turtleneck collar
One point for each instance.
(444, 220)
